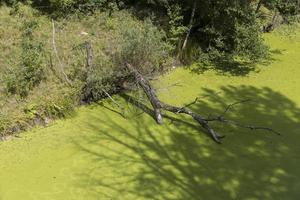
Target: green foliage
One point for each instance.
(232, 29)
(59, 104)
(222, 26)
(30, 71)
(132, 41)
(141, 44)
(287, 8)
(176, 27)
(219, 28)
(46, 102)
(249, 43)
(61, 8)
(102, 77)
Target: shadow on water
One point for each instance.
(141, 160)
(226, 65)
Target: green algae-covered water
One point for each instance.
(98, 154)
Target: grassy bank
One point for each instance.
(97, 154)
(44, 73)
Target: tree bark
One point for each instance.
(149, 91)
(158, 105)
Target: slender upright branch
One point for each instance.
(89, 55)
(115, 102)
(57, 56)
(190, 26)
(259, 4)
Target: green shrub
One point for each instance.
(30, 70)
(47, 101)
(132, 41)
(176, 27)
(33, 71)
(142, 45)
(59, 8)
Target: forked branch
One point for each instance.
(158, 105)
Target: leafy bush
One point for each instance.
(142, 45)
(60, 8)
(45, 102)
(132, 41)
(176, 27)
(30, 71)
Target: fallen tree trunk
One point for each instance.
(149, 91)
(205, 123)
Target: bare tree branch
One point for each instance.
(89, 55)
(251, 127)
(188, 105)
(57, 56)
(116, 103)
(190, 26)
(232, 105)
(170, 86)
(205, 123)
(259, 4)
